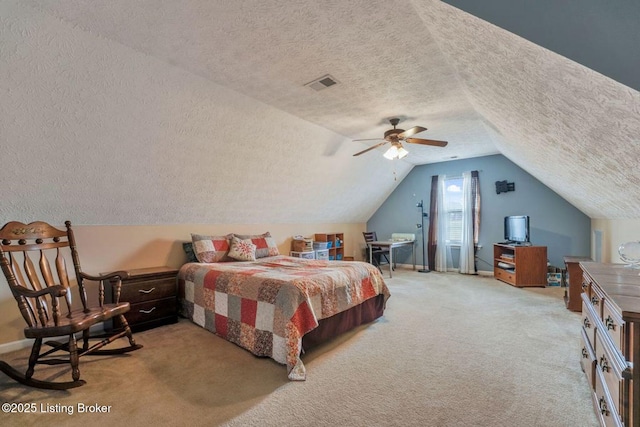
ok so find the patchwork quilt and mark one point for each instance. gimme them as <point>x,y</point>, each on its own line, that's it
<point>267,305</point>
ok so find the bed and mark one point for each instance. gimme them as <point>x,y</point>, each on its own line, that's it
<point>279,306</point>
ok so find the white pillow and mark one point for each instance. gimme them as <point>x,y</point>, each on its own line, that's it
<point>242,250</point>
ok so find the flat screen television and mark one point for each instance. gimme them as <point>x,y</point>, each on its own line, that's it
<point>516,229</point>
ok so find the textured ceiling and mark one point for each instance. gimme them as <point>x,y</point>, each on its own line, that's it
<point>161,71</point>
<point>384,56</point>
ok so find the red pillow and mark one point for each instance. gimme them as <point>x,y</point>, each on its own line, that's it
<point>211,248</point>
<point>265,244</point>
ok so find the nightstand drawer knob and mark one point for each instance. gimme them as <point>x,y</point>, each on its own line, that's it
<point>604,364</point>
<point>146,291</point>
<point>147,311</point>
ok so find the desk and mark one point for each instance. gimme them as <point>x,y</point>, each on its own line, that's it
<point>392,245</point>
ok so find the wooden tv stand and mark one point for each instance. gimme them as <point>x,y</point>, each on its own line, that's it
<point>520,266</point>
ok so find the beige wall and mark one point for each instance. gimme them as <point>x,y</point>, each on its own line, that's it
<point>110,247</point>
<point>614,233</point>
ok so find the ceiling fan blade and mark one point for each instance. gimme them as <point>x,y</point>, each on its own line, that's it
<point>407,133</point>
<point>370,148</point>
<point>370,139</point>
<point>427,142</point>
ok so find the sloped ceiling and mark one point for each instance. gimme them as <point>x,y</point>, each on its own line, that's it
<point>200,106</point>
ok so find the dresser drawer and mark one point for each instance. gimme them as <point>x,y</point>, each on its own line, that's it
<point>610,366</point>
<point>588,359</point>
<point>597,300</point>
<point>605,409</point>
<point>150,310</point>
<point>614,325</point>
<point>589,320</point>
<point>148,290</point>
<point>505,275</point>
<point>586,284</point>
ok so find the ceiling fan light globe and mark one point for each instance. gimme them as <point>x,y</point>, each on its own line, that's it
<point>402,153</point>
<point>391,153</point>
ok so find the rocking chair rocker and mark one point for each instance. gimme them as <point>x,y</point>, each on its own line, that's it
<point>39,296</point>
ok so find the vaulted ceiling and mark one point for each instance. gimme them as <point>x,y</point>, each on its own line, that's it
<point>479,87</point>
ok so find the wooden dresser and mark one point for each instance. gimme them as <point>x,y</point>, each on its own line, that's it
<point>152,293</point>
<point>611,341</point>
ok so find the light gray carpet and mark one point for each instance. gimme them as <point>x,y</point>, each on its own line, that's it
<point>451,350</point>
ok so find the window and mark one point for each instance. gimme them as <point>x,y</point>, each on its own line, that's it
<point>457,220</point>
<point>453,209</point>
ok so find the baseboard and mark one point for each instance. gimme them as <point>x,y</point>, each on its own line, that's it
<point>485,273</point>
<point>15,345</point>
<point>404,266</point>
<point>449,270</point>
<point>28,342</point>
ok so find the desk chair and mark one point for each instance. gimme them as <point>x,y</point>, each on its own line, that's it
<point>377,252</point>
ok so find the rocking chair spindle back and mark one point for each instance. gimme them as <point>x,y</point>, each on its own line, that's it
<point>27,253</point>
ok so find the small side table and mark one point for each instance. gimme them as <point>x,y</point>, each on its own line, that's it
<point>153,295</point>
<point>573,282</point>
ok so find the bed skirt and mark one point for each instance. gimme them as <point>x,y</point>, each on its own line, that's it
<point>331,327</point>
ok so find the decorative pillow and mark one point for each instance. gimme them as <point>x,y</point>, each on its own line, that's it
<point>211,248</point>
<point>242,250</point>
<point>188,249</point>
<point>265,245</point>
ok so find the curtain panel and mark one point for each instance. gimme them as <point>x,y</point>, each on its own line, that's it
<point>470,222</point>
<point>433,222</point>
<point>438,250</point>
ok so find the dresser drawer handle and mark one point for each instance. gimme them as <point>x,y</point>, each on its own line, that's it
<point>586,322</point>
<point>147,311</point>
<point>609,323</point>
<point>604,364</point>
<point>585,354</point>
<point>146,291</point>
<point>595,300</point>
<point>603,407</point>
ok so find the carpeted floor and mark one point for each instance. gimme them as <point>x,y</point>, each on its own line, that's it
<point>451,350</point>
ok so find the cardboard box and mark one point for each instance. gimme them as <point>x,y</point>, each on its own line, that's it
<point>554,279</point>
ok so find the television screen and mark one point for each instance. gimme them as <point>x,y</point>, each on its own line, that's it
<point>516,228</point>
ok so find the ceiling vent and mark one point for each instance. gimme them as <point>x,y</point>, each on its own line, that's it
<point>322,83</point>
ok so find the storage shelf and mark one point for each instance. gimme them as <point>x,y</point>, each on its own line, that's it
<point>336,248</point>
<point>529,264</point>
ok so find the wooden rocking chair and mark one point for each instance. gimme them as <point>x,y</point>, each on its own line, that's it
<point>40,296</point>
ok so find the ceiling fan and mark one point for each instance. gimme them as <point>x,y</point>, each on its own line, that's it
<point>396,137</point>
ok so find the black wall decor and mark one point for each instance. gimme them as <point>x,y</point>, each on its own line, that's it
<point>504,186</point>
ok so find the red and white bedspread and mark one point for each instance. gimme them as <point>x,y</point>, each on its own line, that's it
<point>266,306</point>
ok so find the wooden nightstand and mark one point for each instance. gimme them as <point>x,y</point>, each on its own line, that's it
<point>153,295</point>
